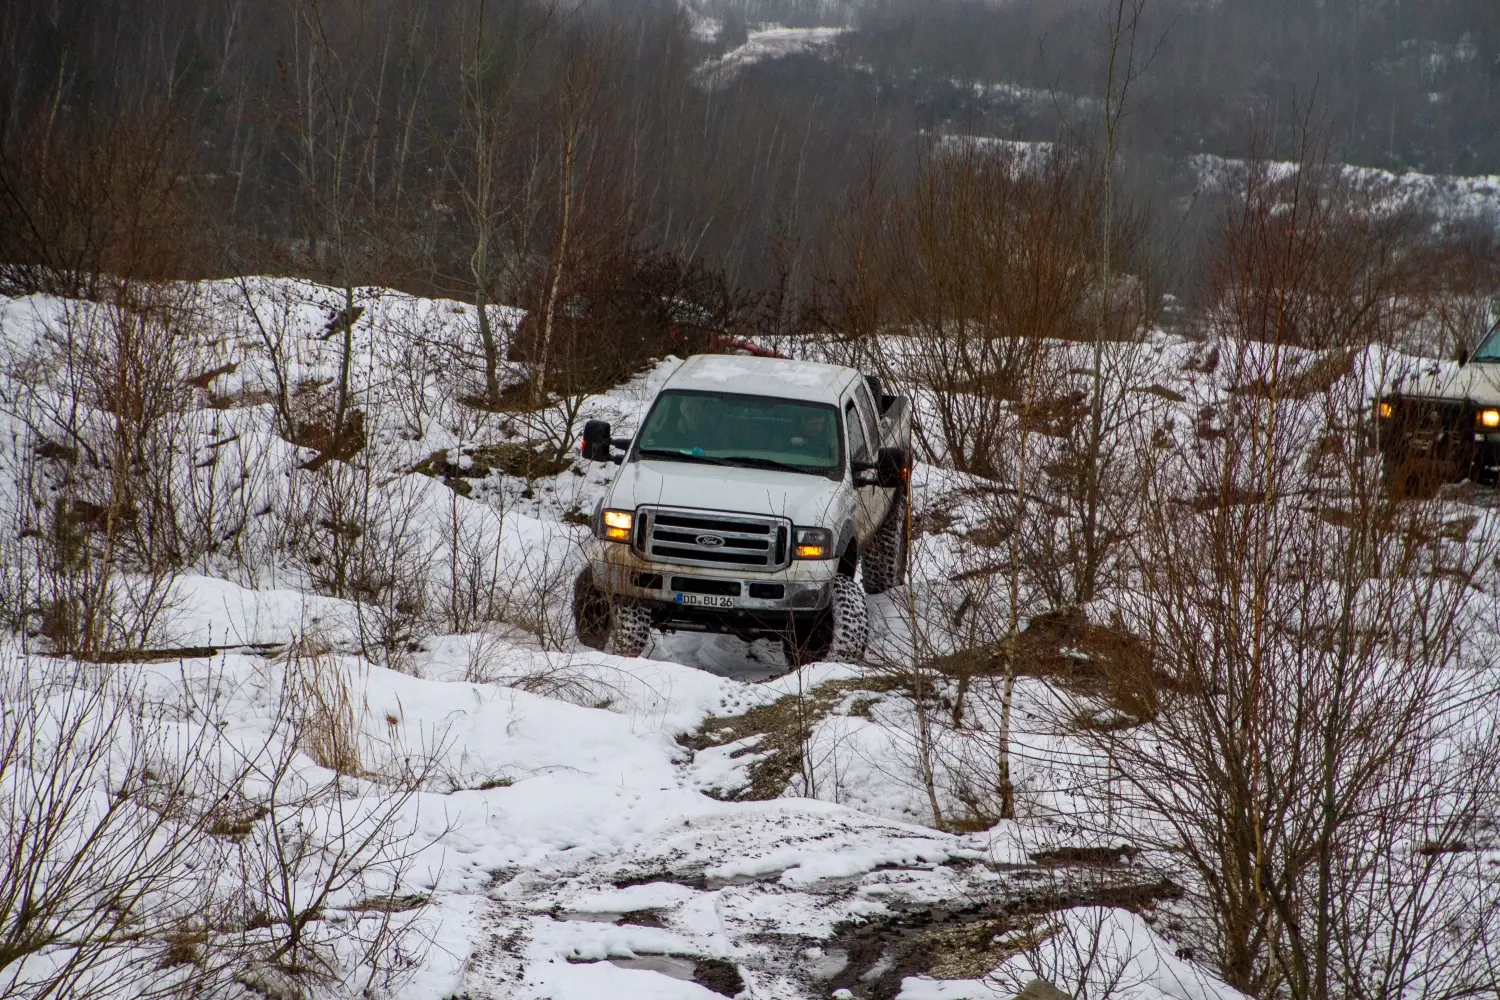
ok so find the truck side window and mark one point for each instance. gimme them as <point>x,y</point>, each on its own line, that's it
<point>867,410</point>
<point>858,449</point>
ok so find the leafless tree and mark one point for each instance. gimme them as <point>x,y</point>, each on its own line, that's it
<point>1312,767</point>
<point>105,792</point>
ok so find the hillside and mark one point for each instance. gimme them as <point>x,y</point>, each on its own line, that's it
<point>376,759</point>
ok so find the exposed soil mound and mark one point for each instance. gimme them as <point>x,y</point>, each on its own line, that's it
<point>528,460</point>
<point>783,728</point>
<point>967,940</point>
<point>1066,647</point>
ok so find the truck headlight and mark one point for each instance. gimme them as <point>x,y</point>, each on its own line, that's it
<point>813,543</point>
<point>1386,409</point>
<point>1489,418</point>
<point>617,525</point>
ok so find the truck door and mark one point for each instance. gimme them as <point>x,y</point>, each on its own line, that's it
<point>868,501</point>
<point>872,428</point>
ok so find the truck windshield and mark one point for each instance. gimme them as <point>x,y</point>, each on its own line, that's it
<point>1489,347</point>
<point>754,431</point>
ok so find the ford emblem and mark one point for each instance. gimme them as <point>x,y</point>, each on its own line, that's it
<point>709,541</point>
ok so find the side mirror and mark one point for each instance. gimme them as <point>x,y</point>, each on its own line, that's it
<point>596,441</point>
<point>889,470</point>
<point>892,468</point>
<point>1463,356</point>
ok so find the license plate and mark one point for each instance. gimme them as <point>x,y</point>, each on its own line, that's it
<point>1421,444</point>
<point>705,601</point>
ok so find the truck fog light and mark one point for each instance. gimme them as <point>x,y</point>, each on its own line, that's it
<point>1489,418</point>
<point>808,595</point>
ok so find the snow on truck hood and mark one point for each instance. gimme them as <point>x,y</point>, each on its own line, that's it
<point>1479,381</point>
<point>808,500</point>
<point>811,381</point>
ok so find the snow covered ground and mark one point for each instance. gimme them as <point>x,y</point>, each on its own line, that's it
<point>576,835</point>
<point>570,851</point>
<point>1449,197</point>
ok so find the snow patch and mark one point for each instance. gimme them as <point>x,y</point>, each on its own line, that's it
<point>765,44</point>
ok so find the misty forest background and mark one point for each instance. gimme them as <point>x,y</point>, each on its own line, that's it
<point>450,148</point>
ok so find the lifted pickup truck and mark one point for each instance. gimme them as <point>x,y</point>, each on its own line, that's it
<point>1443,425</point>
<point>752,492</point>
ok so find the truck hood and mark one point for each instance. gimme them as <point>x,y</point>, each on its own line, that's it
<point>808,500</point>
<point>1479,381</point>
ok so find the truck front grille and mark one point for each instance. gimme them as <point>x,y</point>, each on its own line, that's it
<point>709,538</point>
<point>1432,428</point>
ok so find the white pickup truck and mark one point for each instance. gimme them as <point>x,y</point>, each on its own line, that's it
<point>1442,424</point>
<point>753,492</point>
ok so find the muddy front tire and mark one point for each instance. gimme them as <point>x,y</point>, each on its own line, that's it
<point>631,628</point>
<point>840,633</point>
<point>884,565</point>
<point>619,627</point>
<point>590,612</point>
<point>1415,478</point>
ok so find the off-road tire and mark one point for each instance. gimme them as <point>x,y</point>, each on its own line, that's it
<point>850,621</point>
<point>1414,478</point>
<point>840,633</point>
<point>590,612</point>
<point>884,561</point>
<point>631,628</point>
<point>619,627</point>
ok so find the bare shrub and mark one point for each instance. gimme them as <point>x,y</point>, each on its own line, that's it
<point>986,258</point>
<point>148,854</point>
<point>87,201</point>
<point>1084,950</point>
<point>101,831</point>
<point>1077,523</point>
<point>320,897</point>
<point>974,292</point>
<point>106,400</point>
<point>522,590</point>
<point>1333,698</point>
<point>359,536</point>
<point>538,589</point>
<point>475,592</point>
<point>1302,257</point>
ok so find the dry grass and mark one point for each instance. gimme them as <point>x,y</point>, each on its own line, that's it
<point>331,730</point>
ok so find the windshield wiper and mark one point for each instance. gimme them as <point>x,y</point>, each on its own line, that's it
<point>681,456</point>
<point>771,463</point>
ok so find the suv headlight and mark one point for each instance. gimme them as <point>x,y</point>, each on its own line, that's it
<point>618,524</point>
<point>813,543</point>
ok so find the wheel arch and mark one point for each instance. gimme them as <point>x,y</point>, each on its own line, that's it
<point>847,548</point>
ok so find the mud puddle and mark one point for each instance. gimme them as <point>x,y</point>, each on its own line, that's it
<point>966,939</point>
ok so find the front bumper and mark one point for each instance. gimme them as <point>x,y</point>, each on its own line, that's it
<point>757,601</point>
<point>1439,433</point>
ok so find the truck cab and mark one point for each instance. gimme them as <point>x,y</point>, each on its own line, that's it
<point>1442,424</point>
<point>760,497</point>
